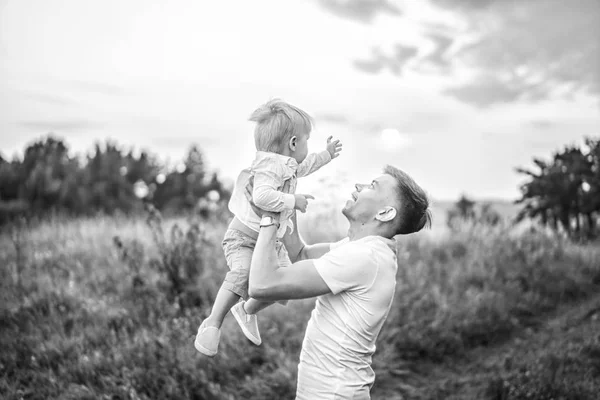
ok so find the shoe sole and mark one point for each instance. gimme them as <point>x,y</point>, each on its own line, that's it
<point>204,350</point>
<point>246,332</point>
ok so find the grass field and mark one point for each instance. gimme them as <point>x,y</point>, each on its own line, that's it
<point>482,313</point>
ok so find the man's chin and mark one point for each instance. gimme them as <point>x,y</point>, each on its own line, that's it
<point>347,207</point>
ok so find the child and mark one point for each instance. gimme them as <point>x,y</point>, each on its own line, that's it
<point>280,136</point>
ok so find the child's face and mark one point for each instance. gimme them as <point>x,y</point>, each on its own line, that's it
<point>301,147</point>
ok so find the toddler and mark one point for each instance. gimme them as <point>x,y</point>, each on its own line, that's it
<point>281,135</point>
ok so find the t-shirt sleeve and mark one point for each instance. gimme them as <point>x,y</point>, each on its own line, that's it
<point>347,267</point>
<point>337,244</point>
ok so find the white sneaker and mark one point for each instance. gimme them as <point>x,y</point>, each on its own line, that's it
<point>248,323</point>
<point>207,340</point>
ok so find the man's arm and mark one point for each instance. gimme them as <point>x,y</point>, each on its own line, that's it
<point>295,246</point>
<point>270,282</point>
<point>298,250</point>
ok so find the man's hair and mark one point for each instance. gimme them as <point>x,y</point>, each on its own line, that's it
<point>276,123</point>
<point>413,204</point>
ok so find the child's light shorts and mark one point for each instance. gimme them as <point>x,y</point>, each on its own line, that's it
<point>238,248</point>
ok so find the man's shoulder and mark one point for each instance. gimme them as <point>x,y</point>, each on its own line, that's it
<point>378,243</point>
<point>365,243</point>
<point>367,250</point>
<point>339,243</point>
<point>354,252</point>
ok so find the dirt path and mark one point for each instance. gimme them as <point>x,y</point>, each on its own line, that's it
<point>552,354</point>
<point>559,359</point>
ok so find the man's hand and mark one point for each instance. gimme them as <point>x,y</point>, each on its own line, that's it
<point>334,147</point>
<point>302,201</point>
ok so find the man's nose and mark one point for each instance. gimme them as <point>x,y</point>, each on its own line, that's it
<point>358,187</point>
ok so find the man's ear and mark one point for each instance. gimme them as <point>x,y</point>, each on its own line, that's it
<point>292,144</point>
<point>387,214</point>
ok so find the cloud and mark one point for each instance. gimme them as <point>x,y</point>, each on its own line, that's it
<point>417,123</point>
<point>465,4</point>
<point>513,51</point>
<point>372,66</point>
<point>48,98</point>
<point>61,126</point>
<point>395,62</point>
<point>359,10</point>
<point>348,122</point>
<point>98,88</point>
<point>542,124</point>
<point>488,89</point>
<point>438,58</point>
<point>332,118</point>
<point>530,50</point>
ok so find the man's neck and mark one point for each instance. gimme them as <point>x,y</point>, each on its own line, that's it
<point>359,230</point>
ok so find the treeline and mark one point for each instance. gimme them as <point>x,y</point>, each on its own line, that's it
<point>564,192</point>
<point>467,210</point>
<point>47,179</point>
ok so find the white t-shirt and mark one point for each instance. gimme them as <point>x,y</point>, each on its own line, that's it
<point>335,361</point>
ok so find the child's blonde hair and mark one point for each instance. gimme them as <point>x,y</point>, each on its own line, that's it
<point>276,123</point>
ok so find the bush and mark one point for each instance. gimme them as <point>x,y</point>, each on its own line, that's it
<point>92,322</point>
<point>180,261</point>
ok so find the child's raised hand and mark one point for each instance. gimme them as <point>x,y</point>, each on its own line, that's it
<point>334,147</point>
<point>302,201</point>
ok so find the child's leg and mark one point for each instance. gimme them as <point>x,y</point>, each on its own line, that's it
<point>209,332</point>
<point>252,306</point>
<point>235,284</point>
<point>223,302</point>
<point>238,255</point>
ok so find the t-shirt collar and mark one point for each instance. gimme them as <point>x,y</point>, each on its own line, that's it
<point>391,243</point>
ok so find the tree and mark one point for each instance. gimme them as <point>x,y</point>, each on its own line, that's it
<point>43,172</point>
<point>463,210</point>
<point>183,187</point>
<point>9,181</point>
<point>590,187</point>
<point>107,180</point>
<point>564,192</point>
<point>488,216</point>
<point>466,210</point>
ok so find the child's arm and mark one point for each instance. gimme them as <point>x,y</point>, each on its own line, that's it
<point>314,161</point>
<point>266,195</point>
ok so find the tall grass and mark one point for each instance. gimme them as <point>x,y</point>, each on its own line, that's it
<point>108,308</point>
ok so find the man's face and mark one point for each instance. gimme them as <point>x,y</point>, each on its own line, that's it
<point>368,199</point>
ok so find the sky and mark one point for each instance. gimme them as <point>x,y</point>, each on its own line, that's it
<point>455,92</point>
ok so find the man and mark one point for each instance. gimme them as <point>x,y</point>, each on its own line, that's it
<point>354,280</point>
